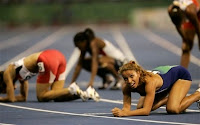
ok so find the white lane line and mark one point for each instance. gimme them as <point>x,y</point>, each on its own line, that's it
<point>6,124</point>
<point>87,115</point>
<point>72,60</point>
<point>121,41</point>
<point>134,104</point>
<point>16,40</point>
<point>98,113</point>
<point>168,45</point>
<point>38,46</point>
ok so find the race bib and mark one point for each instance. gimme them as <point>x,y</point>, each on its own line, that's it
<point>41,67</point>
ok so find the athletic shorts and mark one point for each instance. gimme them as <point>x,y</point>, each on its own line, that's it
<point>52,66</point>
<point>171,74</point>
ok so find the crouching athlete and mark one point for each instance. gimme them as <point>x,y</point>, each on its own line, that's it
<point>165,85</point>
<point>50,65</point>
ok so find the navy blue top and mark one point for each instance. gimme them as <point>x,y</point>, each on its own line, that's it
<point>170,74</point>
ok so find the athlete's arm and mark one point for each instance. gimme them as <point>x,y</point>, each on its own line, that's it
<point>94,68</point>
<point>145,110</point>
<point>23,92</point>
<point>78,67</point>
<point>9,75</point>
<point>126,103</point>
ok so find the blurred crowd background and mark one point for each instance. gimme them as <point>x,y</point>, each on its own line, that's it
<point>35,13</point>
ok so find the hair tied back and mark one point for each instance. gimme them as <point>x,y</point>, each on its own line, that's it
<point>132,62</point>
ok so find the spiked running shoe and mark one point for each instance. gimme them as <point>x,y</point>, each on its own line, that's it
<point>74,89</point>
<point>91,93</point>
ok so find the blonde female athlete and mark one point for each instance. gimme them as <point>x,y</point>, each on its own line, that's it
<point>185,14</point>
<point>165,85</point>
<point>51,66</point>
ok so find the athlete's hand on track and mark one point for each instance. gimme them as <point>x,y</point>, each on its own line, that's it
<point>118,112</point>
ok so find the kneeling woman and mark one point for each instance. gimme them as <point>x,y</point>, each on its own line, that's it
<point>51,66</point>
<point>165,85</point>
<point>104,58</point>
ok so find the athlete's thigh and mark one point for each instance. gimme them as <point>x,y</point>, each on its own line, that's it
<point>58,85</point>
<point>178,91</point>
<point>189,33</point>
<point>160,96</point>
<point>106,59</point>
<point>41,88</point>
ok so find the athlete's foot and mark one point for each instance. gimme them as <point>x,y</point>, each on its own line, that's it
<point>74,89</point>
<point>92,94</point>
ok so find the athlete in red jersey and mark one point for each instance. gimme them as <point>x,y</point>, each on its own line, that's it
<point>185,16</point>
<point>50,65</point>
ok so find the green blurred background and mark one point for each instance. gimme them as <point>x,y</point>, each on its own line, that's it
<point>15,13</point>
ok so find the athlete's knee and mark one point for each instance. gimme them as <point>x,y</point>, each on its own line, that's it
<point>42,98</point>
<point>186,48</point>
<point>172,110</point>
<point>185,51</point>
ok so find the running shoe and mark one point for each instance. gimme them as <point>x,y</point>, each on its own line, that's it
<point>198,102</point>
<point>92,94</point>
<point>74,89</point>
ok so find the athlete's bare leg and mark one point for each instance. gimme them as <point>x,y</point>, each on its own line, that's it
<point>57,92</point>
<point>191,13</point>
<point>187,45</point>
<point>177,100</point>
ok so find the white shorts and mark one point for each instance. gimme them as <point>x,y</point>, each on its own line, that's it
<point>182,3</point>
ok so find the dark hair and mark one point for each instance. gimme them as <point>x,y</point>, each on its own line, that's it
<point>87,35</point>
<point>79,37</point>
<point>2,83</point>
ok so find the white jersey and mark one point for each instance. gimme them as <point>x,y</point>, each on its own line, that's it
<point>112,51</point>
<point>24,73</point>
<point>182,3</point>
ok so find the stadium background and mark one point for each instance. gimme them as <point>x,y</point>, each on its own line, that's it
<point>35,13</point>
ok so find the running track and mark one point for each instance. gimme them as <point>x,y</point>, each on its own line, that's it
<point>150,48</point>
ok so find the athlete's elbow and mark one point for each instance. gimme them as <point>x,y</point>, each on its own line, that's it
<point>146,113</point>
